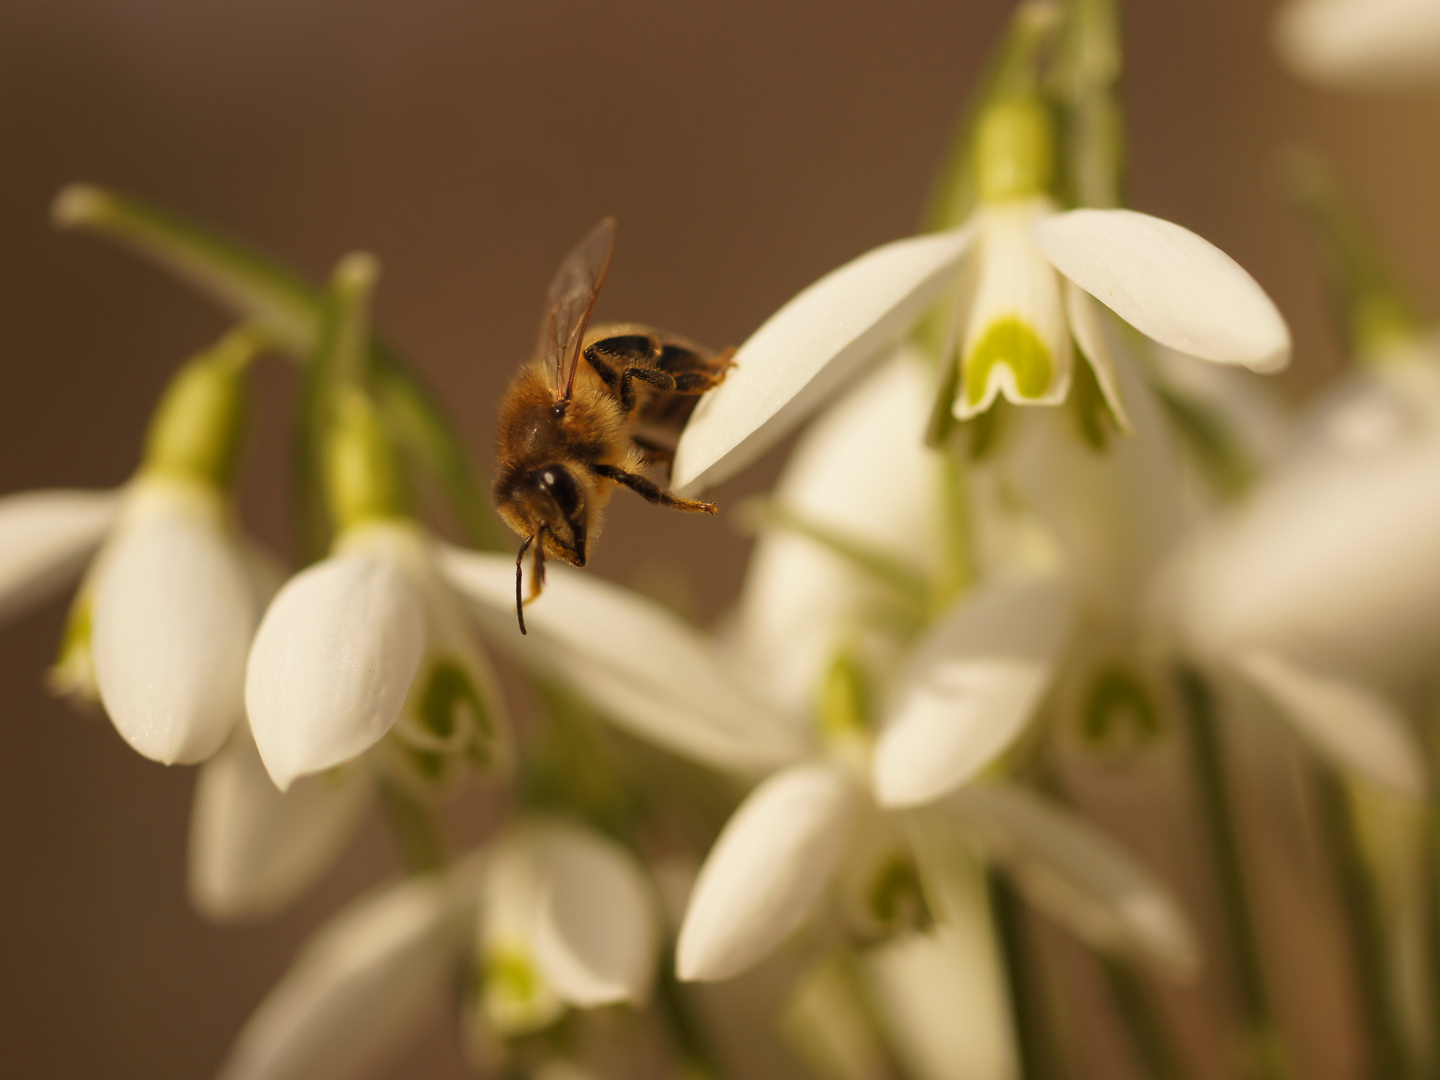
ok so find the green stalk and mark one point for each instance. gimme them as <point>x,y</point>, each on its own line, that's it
<point>1148,1034</point>
<point>1149,1037</point>
<point>289,311</point>
<point>1264,1055</point>
<point>698,1060</point>
<point>1038,1058</point>
<point>1364,925</point>
<point>1374,312</point>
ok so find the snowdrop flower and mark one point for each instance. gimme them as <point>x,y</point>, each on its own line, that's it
<point>1321,589</point>
<point>1360,43</point>
<point>1022,278</point>
<point>551,915</point>
<point>372,640</point>
<point>813,828</point>
<point>161,624</point>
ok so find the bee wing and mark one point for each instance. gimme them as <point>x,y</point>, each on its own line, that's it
<point>572,298</point>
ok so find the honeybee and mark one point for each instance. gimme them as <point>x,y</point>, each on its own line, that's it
<point>571,431</point>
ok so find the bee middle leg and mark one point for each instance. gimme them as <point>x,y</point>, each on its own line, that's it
<point>652,492</point>
<point>676,371</point>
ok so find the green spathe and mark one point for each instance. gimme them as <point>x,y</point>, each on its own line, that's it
<point>1012,342</point>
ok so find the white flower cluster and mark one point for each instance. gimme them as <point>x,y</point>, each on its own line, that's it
<point>984,550</point>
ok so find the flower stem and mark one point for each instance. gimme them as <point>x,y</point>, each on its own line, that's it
<point>413,826</point>
<point>1149,1036</point>
<point>1364,925</point>
<point>1263,1052</point>
<point>1037,1056</point>
<point>698,1061</point>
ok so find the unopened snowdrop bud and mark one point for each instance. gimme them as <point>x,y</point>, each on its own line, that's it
<point>1015,150</point>
<point>197,429</point>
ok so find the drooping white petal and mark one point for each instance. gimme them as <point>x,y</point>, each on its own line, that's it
<point>358,989</point>
<point>971,687</point>
<point>173,611</point>
<point>807,349</point>
<point>767,871</point>
<point>1371,44</point>
<point>1351,725</point>
<point>1088,330</point>
<point>941,996</point>
<point>253,849</point>
<point>863,473</point>
<point>1015,341</point>
<point>1329,563</point>
<point>1169,284</point>
<point>648,669</point>
<point>45,539</point>
<point>596,924</point>
<point>332,663</point>
<point>1079,876</point>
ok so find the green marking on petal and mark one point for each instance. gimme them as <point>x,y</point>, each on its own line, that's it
<point>844,698</point>
<point>449,690</point>
<point>511,974</point>
<point>895,896</point>
<point>1088,405</point>
<point>1119,712</point>
<point>1010,342</point>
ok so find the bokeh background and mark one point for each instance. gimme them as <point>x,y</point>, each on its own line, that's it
<point>746,148</point>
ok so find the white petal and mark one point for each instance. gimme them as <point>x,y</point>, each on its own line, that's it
<point>1169,284</point>
<point>971,687</point>
<point>1354,727</point>
<point>648,669</point>
<point>1116,513</point>
<point>1087,327</point>
<point>1331,564</point>
<point>253,849</point>
<point>1079,876</point>
<point>173,612</point>
<point>596,923</point>
<point>942,998</point>
<point>767,871</point>
<point>863,472</point>
<point>332,663</point>
<point>807,349</point>
<point>45,539</point>
<point>1372,44</point>
<point>1016,342</point>
<point>364,983</point>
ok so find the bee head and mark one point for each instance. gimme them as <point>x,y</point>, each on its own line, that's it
<point>551,499</point>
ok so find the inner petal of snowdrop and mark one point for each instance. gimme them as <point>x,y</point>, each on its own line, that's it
<point>1016,342</point>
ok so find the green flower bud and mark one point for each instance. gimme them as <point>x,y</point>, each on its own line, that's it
<point>197,428</point>
<point>364,479</point>
<point>1014,150</point>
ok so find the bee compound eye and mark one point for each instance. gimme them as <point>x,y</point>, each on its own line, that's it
<point>558,482</point>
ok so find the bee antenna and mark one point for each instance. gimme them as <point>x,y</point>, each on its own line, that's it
<point>519,575</point>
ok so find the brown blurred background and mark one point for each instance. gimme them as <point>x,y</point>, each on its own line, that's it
<point>745,147</point>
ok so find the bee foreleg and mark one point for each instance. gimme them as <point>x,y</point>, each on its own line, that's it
<point>651,491</point>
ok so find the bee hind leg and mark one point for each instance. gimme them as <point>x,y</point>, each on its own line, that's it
<point>650,491</point>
